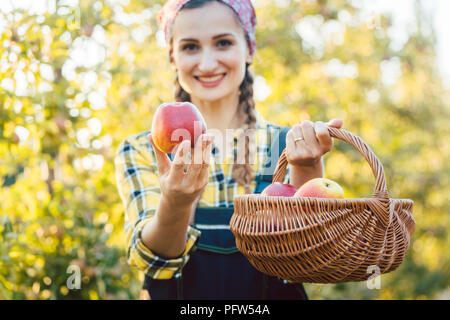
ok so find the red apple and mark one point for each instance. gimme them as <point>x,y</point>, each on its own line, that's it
<point>279,189</point>
<point>320,188</point>
<point>174,122</point>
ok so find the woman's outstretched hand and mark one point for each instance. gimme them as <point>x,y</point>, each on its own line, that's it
<point>179,192</point>
<point>308,141</point>
<point>182,187</point>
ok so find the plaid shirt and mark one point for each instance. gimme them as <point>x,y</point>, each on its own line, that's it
<point>138,185</point>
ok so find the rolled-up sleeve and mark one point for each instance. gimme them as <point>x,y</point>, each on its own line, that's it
<point>138,185</point>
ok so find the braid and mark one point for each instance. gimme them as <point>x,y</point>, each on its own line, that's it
<point>243,171</point>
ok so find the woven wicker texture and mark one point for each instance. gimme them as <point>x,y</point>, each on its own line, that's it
<point>320,240</point>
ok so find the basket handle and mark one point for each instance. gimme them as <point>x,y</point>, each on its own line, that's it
<point>380,190</point>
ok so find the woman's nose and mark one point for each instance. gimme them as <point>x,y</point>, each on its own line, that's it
<point>208,61</point>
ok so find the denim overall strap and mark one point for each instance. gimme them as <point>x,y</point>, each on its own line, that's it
<point>278,145</point>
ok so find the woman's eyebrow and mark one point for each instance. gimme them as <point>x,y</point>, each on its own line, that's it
<point>215,37</point>
<point>222,35</point>
<point>189,39</point>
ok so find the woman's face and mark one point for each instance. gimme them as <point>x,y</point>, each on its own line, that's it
<point>209,51</point>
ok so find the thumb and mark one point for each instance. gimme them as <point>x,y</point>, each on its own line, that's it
<point>162,159</point>
<point>336,123</point>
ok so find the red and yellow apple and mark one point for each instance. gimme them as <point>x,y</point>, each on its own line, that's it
<point>174,122</point>
<point>320,188</point>
<point>279,189</point>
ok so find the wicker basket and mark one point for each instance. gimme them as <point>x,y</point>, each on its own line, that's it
<point>319,240</point>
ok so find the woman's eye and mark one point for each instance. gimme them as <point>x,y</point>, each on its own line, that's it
<point>224,43</point>
<point>189,47</point>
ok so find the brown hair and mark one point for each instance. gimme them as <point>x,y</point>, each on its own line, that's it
<point>246,144</point>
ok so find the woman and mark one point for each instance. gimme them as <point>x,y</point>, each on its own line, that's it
<point>177,222</point>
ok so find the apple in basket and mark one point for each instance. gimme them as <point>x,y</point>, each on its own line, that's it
<point>174,122</point>
<point>279,189</point>
<point>276,189</point>
<point>320,188</point>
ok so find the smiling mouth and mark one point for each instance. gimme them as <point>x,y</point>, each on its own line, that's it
<point>211,79</point>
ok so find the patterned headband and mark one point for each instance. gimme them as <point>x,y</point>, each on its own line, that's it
<point>243,8</point>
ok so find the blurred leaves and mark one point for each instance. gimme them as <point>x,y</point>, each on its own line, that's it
<point>75,81</point>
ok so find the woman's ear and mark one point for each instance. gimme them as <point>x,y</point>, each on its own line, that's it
<point>249,59</point>
<point>172,64</point>
<point>172,60</point>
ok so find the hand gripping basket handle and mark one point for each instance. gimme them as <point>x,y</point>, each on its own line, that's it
<point>380,190</point>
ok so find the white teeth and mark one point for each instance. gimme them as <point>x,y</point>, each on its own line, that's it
<point>210,79</point>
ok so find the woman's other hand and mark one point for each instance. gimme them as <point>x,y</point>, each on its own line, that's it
<point>308,141</point>
<point>179,192</point>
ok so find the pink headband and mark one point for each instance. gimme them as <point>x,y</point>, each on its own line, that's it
<point>243,8</point>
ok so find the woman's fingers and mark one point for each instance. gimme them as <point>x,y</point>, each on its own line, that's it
<point>323,136</point>
<point>207,150</point>
<point>308,141</point>
<point>182,158</point>
<point>297,148</point>
<point>198,160</point>
<point>198,150</point>
<point>297,131</point>
<point>336,123</point>
<point>162,159</point>
<point>204,172</point>
<point>308,132</point>
<point>290,143</point>
<point>311,140</point>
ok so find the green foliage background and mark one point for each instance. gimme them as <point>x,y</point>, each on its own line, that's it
<point>59,203</point>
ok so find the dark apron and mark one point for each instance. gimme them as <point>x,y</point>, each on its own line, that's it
<point>216,269</point>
